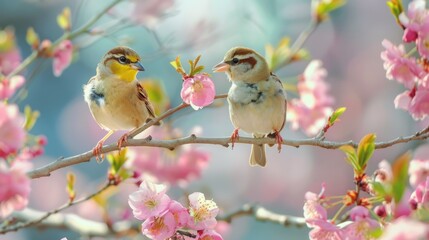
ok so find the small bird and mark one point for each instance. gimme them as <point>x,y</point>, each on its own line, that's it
<point>115,97</point>
<point>257,100</point>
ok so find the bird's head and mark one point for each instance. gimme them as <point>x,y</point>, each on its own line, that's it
<point>244,64</point>
<point>123,62</point>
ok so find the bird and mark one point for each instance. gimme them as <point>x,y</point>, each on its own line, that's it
<point>257,100</point>
<point>116,98</point>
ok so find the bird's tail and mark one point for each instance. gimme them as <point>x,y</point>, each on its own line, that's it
<point>257,155</point>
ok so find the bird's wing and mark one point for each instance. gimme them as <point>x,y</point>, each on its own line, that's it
<point>277,79</point>
<point>142,95</point>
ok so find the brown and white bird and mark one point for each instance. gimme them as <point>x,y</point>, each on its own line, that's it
<point>115,97</point>
<point>257,101</point>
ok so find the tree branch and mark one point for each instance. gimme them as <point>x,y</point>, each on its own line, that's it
<point>92,228</point>
<point>264,215</point>
<point>78,224</point>
<point>192,139</point>
<point>46,215</point>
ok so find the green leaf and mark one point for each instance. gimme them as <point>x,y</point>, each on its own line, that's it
<point>400,176</point>
<point>30,118</point>
<point>375,233</point>
<point>396,8</point>
<point>117,160</point>
<point>322,8</point>
<point>71,179</point>
<point>198,70</point>
<point>178,66</point>
<point>365,150</point>
<point>64,19</point>
<point>351,157</point>
<point>380,189</point>
<point>335,115</point>
<point>32,38</point>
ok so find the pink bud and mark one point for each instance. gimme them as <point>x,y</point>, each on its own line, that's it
<point>380,210</point>
<point>409,36</point>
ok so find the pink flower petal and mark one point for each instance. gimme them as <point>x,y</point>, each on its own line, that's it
<point>62,57</point>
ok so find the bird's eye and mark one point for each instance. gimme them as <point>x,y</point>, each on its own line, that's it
<point>122,59</point>
<point>235,61</point>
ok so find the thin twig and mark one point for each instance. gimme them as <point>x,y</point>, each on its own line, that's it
<point>47,214</point>
<point>264,215</point>
<point>67,35</point>
<point>166,115</point>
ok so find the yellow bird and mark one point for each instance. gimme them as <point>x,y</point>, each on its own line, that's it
<point>115,97</point>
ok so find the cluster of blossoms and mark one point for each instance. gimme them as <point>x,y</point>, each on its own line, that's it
<point>316,216</point>
<point>164,217</point>
<point>175,167</point>
<point>17,147</point>
<point>406,68</point>
<point>397,220</point>
<point>314,105</point>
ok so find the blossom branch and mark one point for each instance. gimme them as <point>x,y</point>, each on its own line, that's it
<point>92,228</point>
<point>44,216</point>
<point>166,115</point>
<point>264,215</point>
<point>192,139</point>
<point>299,42</point>
<point>67,35</point>
<point>78,224</point>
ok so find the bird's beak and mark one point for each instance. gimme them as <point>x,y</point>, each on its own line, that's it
<point>221,67</point>
<point>137,66</point>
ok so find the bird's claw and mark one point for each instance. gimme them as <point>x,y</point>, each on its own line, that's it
<point>96,151</point>
<point>234,137</point>
<point>122,140</point>
<point>279,141</point>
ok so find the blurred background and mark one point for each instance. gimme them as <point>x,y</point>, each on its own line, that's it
<point>349,44</point>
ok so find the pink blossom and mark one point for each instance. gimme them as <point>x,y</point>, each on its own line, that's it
<point>176,167</point>
<point>150,200</point>
<point>362,224</point>
<point>420,197</point>
<point>419,166</point>
<point>62,57</point>
<point>210,234</point>
<point>419,106</point>
<point>12,134</point>
<point>147,13</point>
<point>405,70</point>
<point>15,187</point>
<point>159,227</point>
<point>309,120</point>
<point>203,212</point>
<point>422,40</point>
<point>326,230</point>
<point>314,105</point>
<point>9,86</point>
<point>405,229</point>
<point>198,91</point>
<point>403,100</point>
<point>150,12</point>
<point>416,102</point>
<point>314,212</point>
<point>179,212</point>
<point>384,172</point>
